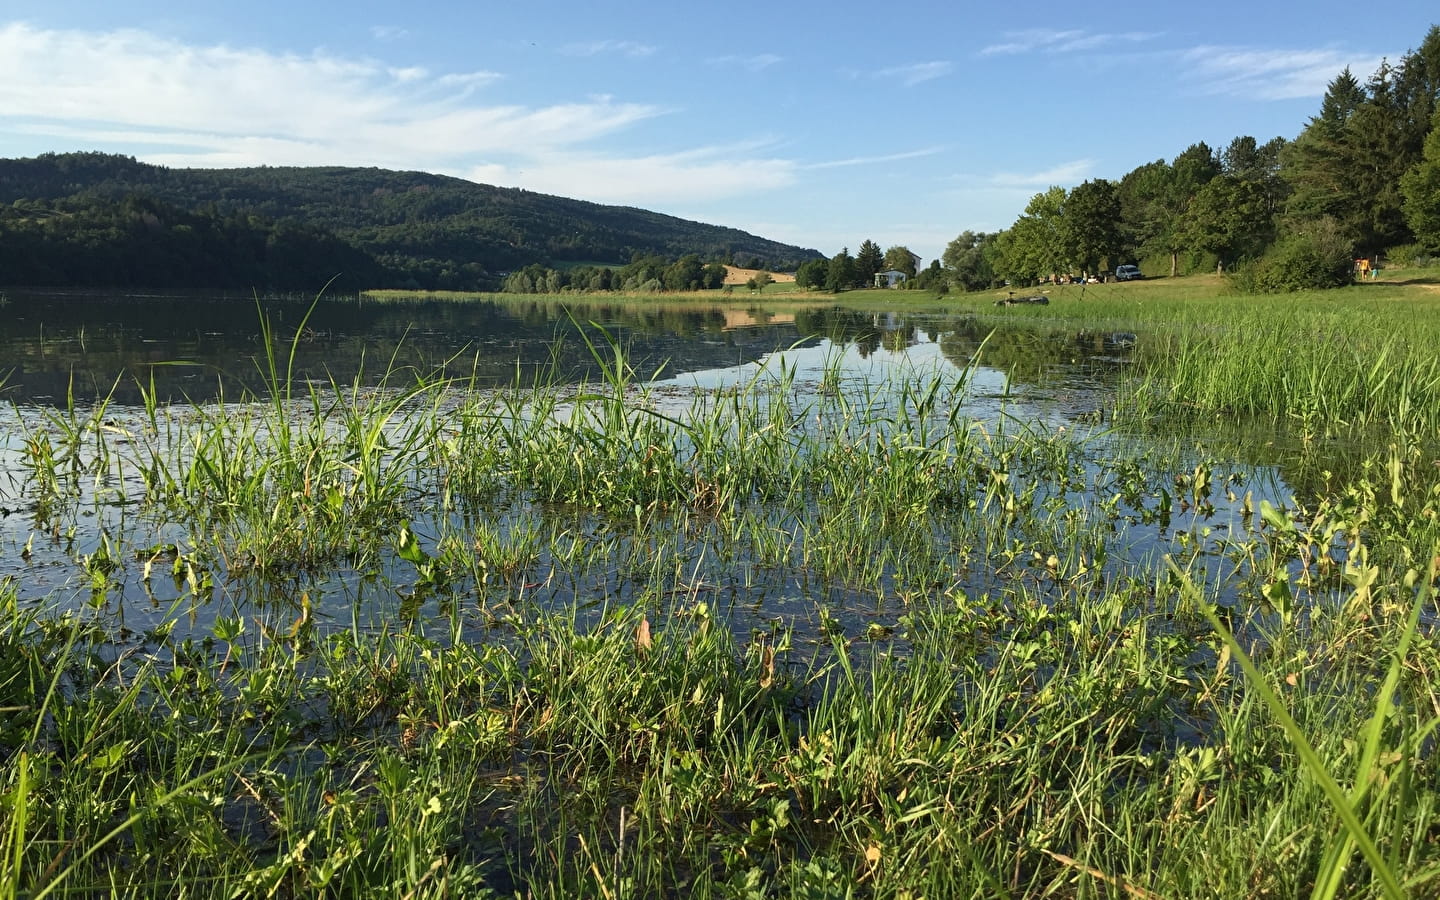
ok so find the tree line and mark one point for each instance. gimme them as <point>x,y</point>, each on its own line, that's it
<point>843,272</point>
<point>1362,179</point>
<point>644,274</point>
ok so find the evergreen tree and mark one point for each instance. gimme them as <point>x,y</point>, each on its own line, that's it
<point>1417,91</point>
<point>1348,162</point>
<point>868,261</point>
<point>841,275</point>
<point>1342,97</point>
<point>1258,163</point>
<point>1155,198</point>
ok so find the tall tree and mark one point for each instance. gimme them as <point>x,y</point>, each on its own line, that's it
<point>868,261</point>
<point>900,259</point>
<point>1142,214</point>
<point>967,261</point>
<point>1249,161</point>
<point>1230,217</point>
<point>1342,97</point>
<point>1421,189</point>
<point>1417,90</point>
<point>1348,161</point>
<point>812,273</point>
<point>1155,197</point>
<point>1091,232</point>
<point>1035,244</point>
<point>842,272</point>
<point>684,274</point>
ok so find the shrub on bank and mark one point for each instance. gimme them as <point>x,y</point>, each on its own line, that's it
<point>1316,258</point>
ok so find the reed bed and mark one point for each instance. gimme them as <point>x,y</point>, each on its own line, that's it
<point>791,640</point>
<point>1356,363</point>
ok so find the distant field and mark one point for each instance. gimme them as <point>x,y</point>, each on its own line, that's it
<point>737,275</point>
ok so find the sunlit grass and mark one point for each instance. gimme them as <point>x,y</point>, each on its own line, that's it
<point>969,683</point>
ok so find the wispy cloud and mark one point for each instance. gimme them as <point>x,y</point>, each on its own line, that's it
<point>1066,40</point>
<point>755,63</point>
<point>1258,74</point>
<point>917,73</point>
<point>632,49</point>
<point>870,160</point>
<point>388,32</point>
<point>701,174</point>
<point>1063,174</point>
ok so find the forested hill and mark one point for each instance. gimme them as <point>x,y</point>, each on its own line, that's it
<point>101,219</point>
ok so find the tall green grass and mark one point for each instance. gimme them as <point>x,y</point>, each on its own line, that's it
<point>823,640</point>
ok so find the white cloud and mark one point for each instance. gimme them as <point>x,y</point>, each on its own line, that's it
<point>1258,74</point>
<point>633,49</point>
<point>869,160</point>
<point>1063,174</point>
<point>707,173</point>
<point>1062,40</point>
<point>916,73</point>
<point>756,63</point>
<point>215,103</point>
<point>185,105</point>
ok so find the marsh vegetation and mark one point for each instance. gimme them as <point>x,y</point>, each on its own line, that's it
<point>870,614</point>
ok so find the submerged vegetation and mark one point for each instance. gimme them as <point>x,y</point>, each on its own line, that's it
<point>410,637</point>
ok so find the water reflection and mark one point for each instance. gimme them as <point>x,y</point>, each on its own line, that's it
<point>58,347</point>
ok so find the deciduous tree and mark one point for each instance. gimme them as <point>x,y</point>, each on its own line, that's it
<point>969,264</point>
<point>1035,244</point>
<point>1421,189</point>
<point>1091,225</point>
<point>812,273</point>
<point>900,259</point>
<point>1230,218</point>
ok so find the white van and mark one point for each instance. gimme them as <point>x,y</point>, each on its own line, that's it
<point>1127,273</point>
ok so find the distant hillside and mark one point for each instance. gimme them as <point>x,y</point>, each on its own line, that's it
<point>94,218</point>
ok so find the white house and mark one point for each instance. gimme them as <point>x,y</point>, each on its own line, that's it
<point>889,278</point>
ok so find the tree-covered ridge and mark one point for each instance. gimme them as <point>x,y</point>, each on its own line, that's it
<point>403,229</point>
<point>1362,179</point>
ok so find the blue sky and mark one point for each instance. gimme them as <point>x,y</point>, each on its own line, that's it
<point>819,124</point>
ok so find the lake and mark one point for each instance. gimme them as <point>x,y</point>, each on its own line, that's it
<point>101,447</point>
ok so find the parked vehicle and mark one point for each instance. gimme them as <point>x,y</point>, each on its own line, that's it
<point>1128,273</point>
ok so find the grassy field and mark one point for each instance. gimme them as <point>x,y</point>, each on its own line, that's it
<point>1011,703</point>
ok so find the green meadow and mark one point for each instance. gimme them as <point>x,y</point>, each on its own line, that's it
<point>817,640</point>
